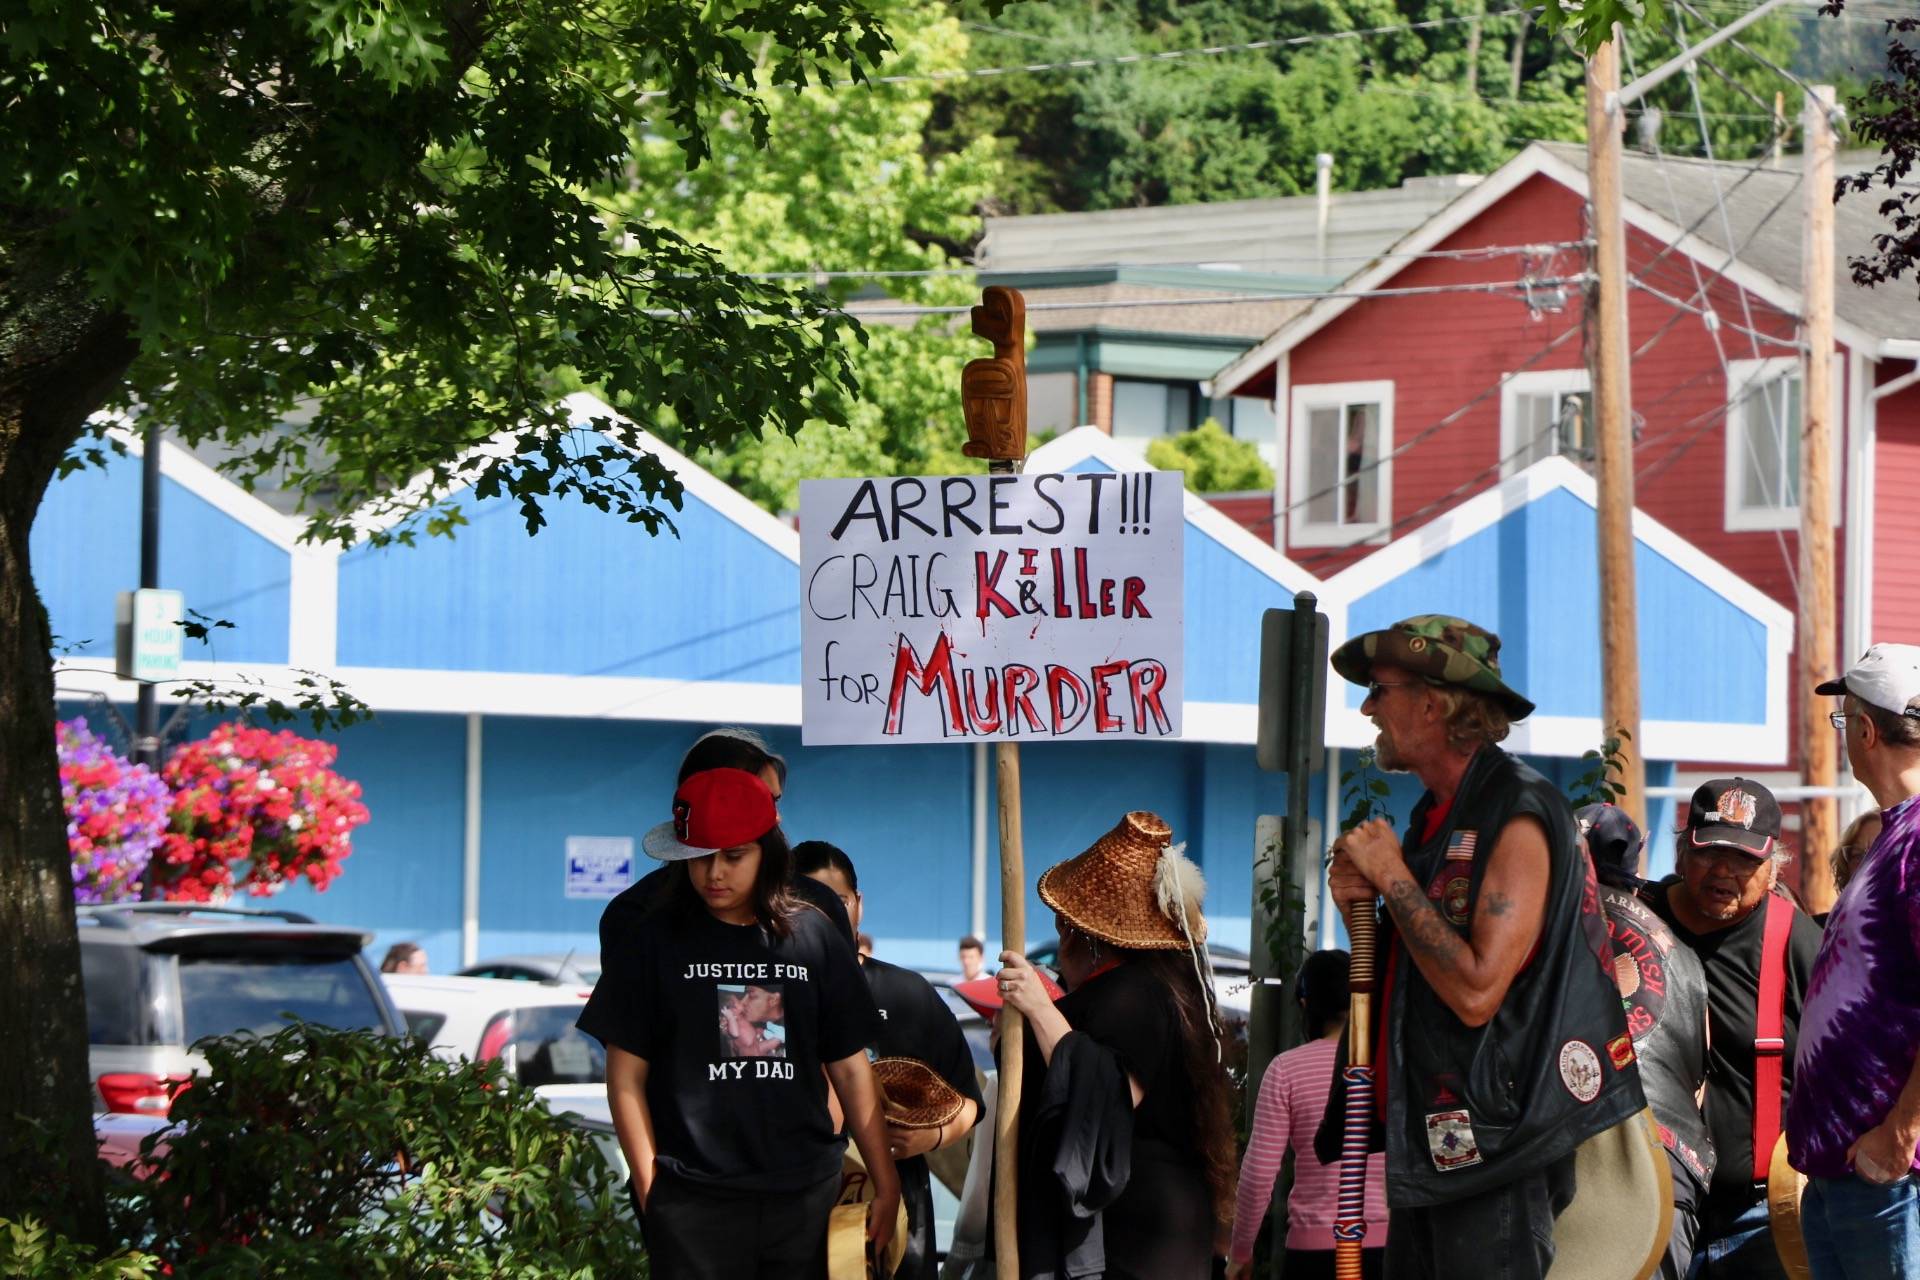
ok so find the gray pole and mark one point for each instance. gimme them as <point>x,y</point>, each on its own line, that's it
<point>146,736</point>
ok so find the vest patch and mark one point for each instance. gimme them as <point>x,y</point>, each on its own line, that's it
<point>1580,1070</point>
<point>1454,899</point>
<point>1620,1052</point>
<point>1450,1139</point>
<point>1461,845</point>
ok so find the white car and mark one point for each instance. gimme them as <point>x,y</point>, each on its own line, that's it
<point>527,1026</point>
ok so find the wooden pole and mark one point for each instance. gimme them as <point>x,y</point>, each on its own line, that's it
<point>1818,745</point>
<point>1606,317</point>
<point>993,396</point>
<point>1013,937</point>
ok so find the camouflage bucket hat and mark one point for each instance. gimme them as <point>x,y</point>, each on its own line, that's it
<point>1439,648</point>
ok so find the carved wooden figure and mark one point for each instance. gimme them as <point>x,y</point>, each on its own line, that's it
<point>993,389</point>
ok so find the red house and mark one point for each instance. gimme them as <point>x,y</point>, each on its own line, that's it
<point>1462,363</point>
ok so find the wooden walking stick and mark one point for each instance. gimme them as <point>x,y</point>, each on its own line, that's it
<point>1350,1219</point>
<point>993,396</point>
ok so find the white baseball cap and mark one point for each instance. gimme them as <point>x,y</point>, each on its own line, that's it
<point>1887,676</point>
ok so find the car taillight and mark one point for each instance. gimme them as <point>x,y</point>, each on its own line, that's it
<point>497,1040</point>
<point>140,1093</point>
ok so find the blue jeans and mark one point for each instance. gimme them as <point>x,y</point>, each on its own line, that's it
<point>1858,1231</point>
<point>1739,1250</point>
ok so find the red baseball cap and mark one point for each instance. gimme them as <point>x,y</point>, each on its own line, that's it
<point>713,810</point>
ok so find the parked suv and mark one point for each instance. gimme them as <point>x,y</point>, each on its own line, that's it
<point>160,976</point>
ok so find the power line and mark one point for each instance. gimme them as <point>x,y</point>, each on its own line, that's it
<point>1129,304</point>
<point>1226,268</point>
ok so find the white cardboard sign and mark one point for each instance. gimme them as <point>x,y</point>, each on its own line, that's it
<point>952,608</point>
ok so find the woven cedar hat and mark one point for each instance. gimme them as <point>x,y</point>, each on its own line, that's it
<point>1130,889</point>
<point>916,1096</point>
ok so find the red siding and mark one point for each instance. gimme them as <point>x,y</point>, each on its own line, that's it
<point>1442,351</point>
<point>1896,529</point>
<point>1251,511</point>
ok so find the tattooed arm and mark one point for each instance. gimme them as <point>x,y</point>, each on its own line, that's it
<point>1471,973</point>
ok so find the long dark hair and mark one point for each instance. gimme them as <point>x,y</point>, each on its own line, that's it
<point>773,902</point>
<point>1209,1097</point>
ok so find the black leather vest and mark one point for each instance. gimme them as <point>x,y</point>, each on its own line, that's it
<point>1664,990</point>
<point>1472,1108</point>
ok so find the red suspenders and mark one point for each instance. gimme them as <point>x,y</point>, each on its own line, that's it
<point>1769,1033</point>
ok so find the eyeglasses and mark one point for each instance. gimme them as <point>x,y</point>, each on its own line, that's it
<point>1838,719</point>
<point>1377,687</point>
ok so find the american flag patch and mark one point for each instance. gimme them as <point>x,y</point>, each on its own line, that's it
<point>1460,847</point>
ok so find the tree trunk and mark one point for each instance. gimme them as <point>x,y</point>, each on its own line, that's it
<point>60,358</point>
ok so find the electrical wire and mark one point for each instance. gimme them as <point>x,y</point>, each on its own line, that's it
<point>1131,304</point>
<point>922,273</point>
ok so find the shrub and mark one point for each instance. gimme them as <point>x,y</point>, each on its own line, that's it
<point>30,1250</point>
<point>316,1152</point>
<point>1214,461</point>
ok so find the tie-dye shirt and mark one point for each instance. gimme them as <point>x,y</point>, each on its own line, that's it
<point>1860,1030</point>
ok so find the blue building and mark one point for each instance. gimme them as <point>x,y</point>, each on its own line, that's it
<point>533,690</point>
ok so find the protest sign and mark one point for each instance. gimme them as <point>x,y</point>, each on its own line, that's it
<point>1012,607</point>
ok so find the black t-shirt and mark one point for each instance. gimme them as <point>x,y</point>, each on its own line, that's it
<point>735,1025</point>
<point>645,895</point>
<point>1731,958</point>
<point>916,1023</point>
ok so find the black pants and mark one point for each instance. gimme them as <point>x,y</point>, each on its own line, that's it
<point>1502,1234</point>
<point>696,1233</point>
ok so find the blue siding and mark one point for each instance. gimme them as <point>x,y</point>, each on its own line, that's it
<point>590,595</point>
<point>1225,599</point>
<point>86,548</point>
<point>1534,578</point>
<point>403,878</point>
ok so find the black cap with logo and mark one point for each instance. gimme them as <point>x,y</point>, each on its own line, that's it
<point>1737,813</point>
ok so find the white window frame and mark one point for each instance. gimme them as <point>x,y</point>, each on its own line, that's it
<point>1323,395</point>
<point>1533,382</point>
<point>1741,374</point>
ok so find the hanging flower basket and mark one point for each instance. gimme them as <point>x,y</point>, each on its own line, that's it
<point>116,814</point>
<point>253,811</point>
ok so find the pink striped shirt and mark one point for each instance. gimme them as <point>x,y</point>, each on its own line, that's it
<point>1293,1098</point>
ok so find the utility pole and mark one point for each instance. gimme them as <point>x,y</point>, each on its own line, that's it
<point>1818,748</point>
<point>146,732</point>
<point>1606,324</point>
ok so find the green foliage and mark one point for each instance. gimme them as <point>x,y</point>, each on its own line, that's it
<point>316,1153</point>
<point>29,1250</point>
<point>1601,779</point>
<point>1214,462</point>
<point>1284,901</point>
<point>1363,792</point>
<point>1458,96</point>
<point>843,184</point>
<point>380,212</point>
